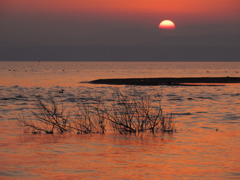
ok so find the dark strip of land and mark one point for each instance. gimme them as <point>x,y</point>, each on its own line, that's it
<point>169,81</point>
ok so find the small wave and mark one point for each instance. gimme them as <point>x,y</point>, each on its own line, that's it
<point>233,118</point>
<point>22,104</point>
<point>201,97</point>
<point>205,127</point>
<point>171,95</point>
<point>14,98</point>
<point>238,94</point>
<point>5,99</point>
<point>21,109</point>
<point>181,114</point>
<point>175,99</point>
<point>20,96</point>
<point>71,100</point>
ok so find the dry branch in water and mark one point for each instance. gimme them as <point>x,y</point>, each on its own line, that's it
<point>128,113</point>
<point>88,118</point>
<point>50,117</point>
<point>134,112</point>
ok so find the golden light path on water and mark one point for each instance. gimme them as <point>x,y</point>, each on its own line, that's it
<point>206,145</point>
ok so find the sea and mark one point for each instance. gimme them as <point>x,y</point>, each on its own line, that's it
<point>206,144</point>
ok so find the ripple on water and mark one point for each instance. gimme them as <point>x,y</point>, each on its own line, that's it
<point>237,94</point>
<point>175,99</point>
<point>202,97</point>
<point>201,112</point>
<point>182,114</point>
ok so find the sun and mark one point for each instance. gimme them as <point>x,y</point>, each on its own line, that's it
<point>167,24</point>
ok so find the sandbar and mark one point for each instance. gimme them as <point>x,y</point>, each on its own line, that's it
<point>169,81</point>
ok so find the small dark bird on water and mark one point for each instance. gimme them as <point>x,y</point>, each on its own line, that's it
<point>61,91</point>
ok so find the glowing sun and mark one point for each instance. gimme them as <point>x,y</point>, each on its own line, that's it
<point>167,24</point>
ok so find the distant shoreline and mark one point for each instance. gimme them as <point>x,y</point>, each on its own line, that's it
<point>169,81</point>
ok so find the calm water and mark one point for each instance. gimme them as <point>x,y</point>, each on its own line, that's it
<point>196,151</point>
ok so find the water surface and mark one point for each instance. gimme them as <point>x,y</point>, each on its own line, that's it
<point>206,145</point>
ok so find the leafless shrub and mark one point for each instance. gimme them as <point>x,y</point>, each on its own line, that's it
<point>89,118</point>
<point>50,117</point>
<point>131,112</point>
<point>134,112</point>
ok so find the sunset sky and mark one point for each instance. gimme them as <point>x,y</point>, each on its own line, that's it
<point>118,22</point>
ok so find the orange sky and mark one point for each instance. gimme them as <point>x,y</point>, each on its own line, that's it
<point>204,8</point>
<point>119,5</point>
